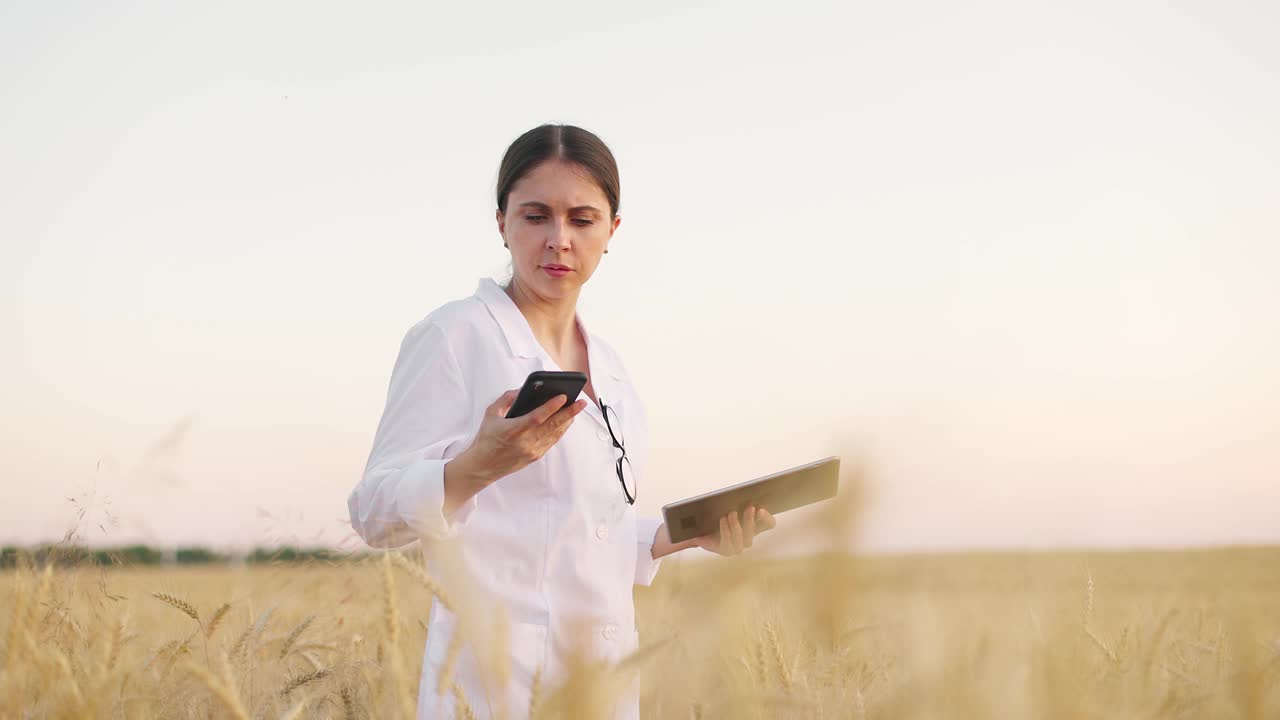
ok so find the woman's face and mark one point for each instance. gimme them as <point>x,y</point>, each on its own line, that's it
<point>557,227</point>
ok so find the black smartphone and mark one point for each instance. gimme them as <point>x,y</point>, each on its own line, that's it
<point>542,385</point>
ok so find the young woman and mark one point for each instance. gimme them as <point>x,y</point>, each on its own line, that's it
<point>538,510</point>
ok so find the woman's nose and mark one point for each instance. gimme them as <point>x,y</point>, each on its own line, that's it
<point>558,237</point>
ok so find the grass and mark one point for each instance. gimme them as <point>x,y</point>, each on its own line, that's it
<point>1050,635</point>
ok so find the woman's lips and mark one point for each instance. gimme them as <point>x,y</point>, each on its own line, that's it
<point>556,271</point>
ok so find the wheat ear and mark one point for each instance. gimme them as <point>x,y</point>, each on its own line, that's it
<point>251,633</point>
<point>293,635</point>
<point>178,603</point>
<point>296,682</point>
<point>218,616</point>
<point>422,577</point>
<point>775,644</point>
<point>348,702</point>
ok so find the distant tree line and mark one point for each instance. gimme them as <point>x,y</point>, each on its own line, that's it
<point>66,555</point>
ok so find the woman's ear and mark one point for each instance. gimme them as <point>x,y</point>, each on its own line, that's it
<point>502,221</point>
<point>617,220</point>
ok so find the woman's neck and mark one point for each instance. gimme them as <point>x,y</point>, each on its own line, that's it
<point>553,321</point>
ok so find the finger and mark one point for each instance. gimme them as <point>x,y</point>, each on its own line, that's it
<point>723,540</point>
<point>736,528</point>
<point>749,525</point>
<point>555,428</point>
<point>544,411</point>
<point>565,415</point>
<point>503,404</point>
<point>767,521</point>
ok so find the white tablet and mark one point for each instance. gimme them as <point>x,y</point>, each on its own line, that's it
<point>776,493</point>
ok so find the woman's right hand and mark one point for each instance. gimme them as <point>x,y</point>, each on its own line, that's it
<point>504,445</point>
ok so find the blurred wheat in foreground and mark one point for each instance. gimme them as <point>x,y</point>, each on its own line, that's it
<point>1131,635</point>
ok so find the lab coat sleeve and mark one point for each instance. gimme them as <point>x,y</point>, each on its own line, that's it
<point>646,566</point>
<point>400,498</point>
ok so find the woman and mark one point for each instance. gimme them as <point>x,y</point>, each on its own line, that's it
<point>536,510</point>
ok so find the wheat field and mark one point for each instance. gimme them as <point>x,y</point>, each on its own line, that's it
<point>1048,635</point>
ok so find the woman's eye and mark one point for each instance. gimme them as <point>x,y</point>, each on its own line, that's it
<point>581,222</point>
<point>533,218</point>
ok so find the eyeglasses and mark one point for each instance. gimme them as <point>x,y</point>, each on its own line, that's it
<point>625,474</point>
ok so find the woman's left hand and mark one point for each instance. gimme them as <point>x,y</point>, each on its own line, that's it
<point>737,535</point>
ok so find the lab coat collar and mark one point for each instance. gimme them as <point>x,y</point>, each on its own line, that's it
<point>519,336</point>
<point>514,327</point>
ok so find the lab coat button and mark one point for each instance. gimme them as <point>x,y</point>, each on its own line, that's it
<point>610,631</point>
<point>602,532</point>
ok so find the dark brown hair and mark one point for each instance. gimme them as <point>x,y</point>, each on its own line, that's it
<point>566,143</point>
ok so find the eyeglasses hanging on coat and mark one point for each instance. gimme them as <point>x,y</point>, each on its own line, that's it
<point>626,477</point>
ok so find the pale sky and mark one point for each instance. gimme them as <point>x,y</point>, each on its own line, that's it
<point>1021,262</point>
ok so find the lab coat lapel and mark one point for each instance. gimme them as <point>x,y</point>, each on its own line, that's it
<point>515,329</point>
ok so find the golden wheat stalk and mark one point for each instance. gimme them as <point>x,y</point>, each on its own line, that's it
<point>16,622</point>
<point>390,606</point>
<point>178,603</point>
<point>420,574</point>
<point>160,652</point>
<point>312,660</point>
<point>775,644</point>
<point>1088,598</point>
<point>65,664</point>
<point>216,620</point>
<point>642,655</point>
<point>859,705</point>
<point>296,711</point>
<point>244,644</point>
<point>499,662</point>
<point>222,692</point>
<point>535,692</point>
<point>1154,648</point>
<point>169,652</point>
<point>462,708</point>
<point>241,641</point>
<point>293,635</point>
<point>42,592</point>
<point>450,659</point>
<point>298,681</point>
<point>348,702</point>
<point>112,651</point>
<point>300,647</point>
<point>1102,646</point>
<point>391,619</point>
<point>759,666</point>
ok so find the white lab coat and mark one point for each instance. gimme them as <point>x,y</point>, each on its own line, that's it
<point>556,543</point>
